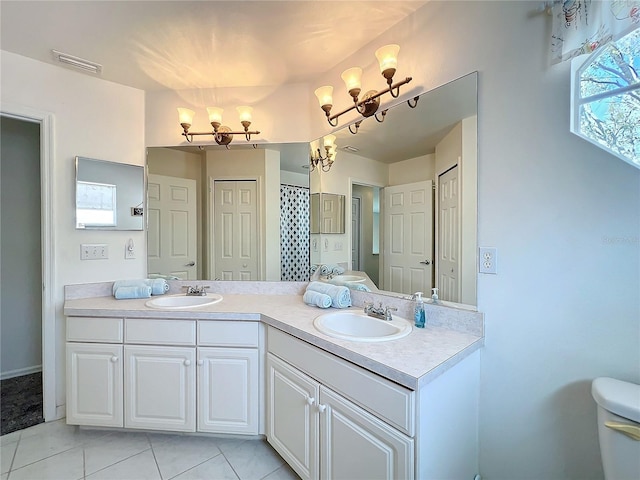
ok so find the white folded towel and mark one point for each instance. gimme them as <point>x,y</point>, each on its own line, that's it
<point>316,299</point>
<point>340,296</point>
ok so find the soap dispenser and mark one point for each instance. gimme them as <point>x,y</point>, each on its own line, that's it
<point>434,296</point>
<point>418,313</point>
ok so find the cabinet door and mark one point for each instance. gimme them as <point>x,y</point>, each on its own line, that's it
<point>228,396</point>
<point>94,384</point>
<point>292,417</point>
<point>161,388</point>
<point>357,445</point>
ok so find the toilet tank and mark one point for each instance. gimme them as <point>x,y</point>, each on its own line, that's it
<point>618,427</point>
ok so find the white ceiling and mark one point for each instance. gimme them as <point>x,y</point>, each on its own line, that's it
<point>155,45</point>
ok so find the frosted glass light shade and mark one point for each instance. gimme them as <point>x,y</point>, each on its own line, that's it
<point>215,114</point>
<point>325,95</point>
<point>352,78</point>
<point>328,141</point>
<point>185,115</point>
<point>388,57</point>
<point>244,113</point>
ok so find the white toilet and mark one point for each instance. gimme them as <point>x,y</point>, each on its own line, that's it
<point>618,427</point>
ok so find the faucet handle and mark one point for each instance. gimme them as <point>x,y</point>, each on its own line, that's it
<point>387,313</point>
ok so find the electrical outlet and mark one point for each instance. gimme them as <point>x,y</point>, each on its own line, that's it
<point>94,251</point>
<point>337,246</point>
<point>129,251</point>
<point>488,260</point>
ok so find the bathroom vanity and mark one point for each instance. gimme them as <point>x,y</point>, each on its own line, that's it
<point>253,364</point>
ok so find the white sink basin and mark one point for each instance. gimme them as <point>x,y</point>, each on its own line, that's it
<point>177,302</point>
<point>359,327</point>
<point>347,278</point>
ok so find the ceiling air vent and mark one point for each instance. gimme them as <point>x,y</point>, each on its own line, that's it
<point>77,62</point>
<point>350,148</point>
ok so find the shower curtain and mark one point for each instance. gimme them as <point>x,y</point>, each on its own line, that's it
<point>294,233</point>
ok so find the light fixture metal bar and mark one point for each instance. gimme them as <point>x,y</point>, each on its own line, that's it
<point>372,97</point>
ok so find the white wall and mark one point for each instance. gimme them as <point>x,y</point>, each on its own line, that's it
<point>95,119</point>
<point>564,216</point>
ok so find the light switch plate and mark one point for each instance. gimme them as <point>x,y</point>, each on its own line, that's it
<point>94,251</point>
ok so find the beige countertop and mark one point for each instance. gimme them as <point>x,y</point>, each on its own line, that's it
<point>412,361</point>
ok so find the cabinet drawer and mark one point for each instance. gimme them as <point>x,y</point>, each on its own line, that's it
<point>228,334</point>
<point>94,329</point>
<point>387,400</point>
<point>160,332</point>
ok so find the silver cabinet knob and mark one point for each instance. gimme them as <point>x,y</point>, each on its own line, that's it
<point>114,359</point>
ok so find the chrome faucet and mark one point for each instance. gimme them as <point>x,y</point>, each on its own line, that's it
<point>383,313</point>
<point>197,291</point>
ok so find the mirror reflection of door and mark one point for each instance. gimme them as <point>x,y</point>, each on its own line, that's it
<point>172,228</point>
<point>356,233</point>
<point>408,242</point>
<point>448,248</point>
<point>236,242</point>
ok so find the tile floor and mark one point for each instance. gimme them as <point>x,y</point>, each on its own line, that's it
<point>57,451</point>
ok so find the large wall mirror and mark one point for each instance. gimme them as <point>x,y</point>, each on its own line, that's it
<point>197,196</point>
<point>411,191</point>
<point>109,195</point>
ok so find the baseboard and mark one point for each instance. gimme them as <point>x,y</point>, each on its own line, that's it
<point>20,371</point>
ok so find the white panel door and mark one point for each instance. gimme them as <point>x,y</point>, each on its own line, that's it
<point>448,247</point>
<point>236,240</point>
<point>228,393</point>
<point>94,384</point>
<point>172,226</point>
<point>408,243</point>
<point>356,445</point>
<point>292,417</point>
<point>161,386</point>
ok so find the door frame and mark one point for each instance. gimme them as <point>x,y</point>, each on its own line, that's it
<point>47,235</point>
<point>347,219</point>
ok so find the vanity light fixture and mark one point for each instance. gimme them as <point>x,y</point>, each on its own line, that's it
<point>368,104</point>
<point>222,134</point>
<point>316,158</point>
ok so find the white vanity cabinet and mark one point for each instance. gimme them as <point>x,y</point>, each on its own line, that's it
<point>325,435</point>
<point>94,371</point>
<point>229,377</point>
<point>164,374</point>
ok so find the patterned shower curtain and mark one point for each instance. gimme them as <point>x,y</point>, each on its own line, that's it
<point>294,233</point>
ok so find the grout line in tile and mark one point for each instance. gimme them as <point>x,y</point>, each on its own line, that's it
<point>230,465</point>
<point>197,465</point>
<point>153,452</point>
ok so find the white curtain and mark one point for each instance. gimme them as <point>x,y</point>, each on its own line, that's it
<point>581,26</point>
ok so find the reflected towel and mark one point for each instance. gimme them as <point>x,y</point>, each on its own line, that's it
<point>316,299</point>
<point>158,286</point>
<point>340,296</point>
<point>123,293</point>
<point>359,286</point>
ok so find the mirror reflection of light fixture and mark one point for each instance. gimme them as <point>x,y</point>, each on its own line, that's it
<point>368,104</point>
<point>316,158</point>
<point>222,134</point>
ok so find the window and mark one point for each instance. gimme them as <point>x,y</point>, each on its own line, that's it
<point>606,98</point>
<point>95,205</point>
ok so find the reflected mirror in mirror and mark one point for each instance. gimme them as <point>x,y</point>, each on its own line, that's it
<point>326,213</point>
<point>237,214</point>
<point>109,195</point>
<point>410,185</point>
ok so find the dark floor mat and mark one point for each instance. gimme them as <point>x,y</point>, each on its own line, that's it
<point>21,402</point>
